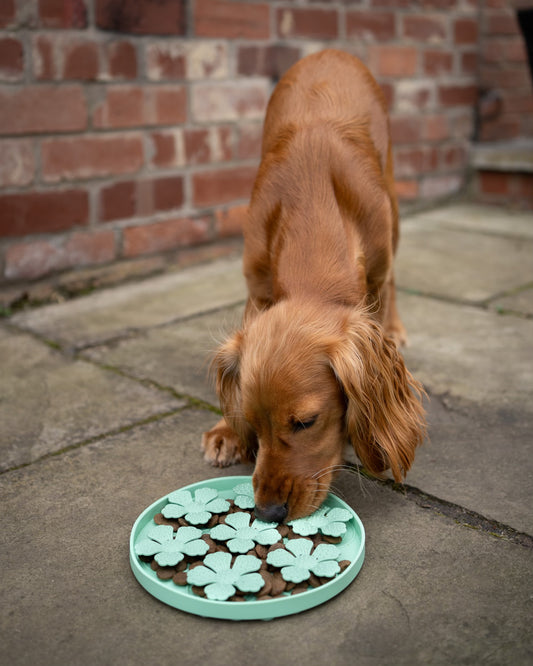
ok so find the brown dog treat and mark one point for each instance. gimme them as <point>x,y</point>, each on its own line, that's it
<point>290,586</point>
<point>283,530</point>
<point>314,581</point>
<point>159,519</point>
<point>209,541</point>
<point>196,563</point>
<point>331,539</point>
<point>221,548</point>
<point>180,578</point>
<point>199,591</point>
<point>252,552</point>
<point>213,521</point>
<point>344,564</point>
<point>278,584</point>
<point>183,522</point>
<point>267,587</point>
<point>165,573</point>
<point>154,565</point>
<point>301,587</point>
<point>222,519</point>
<point>261,551</point>
<point>275,546</point>
<point>263,597</point>
<point>236,598</point>
<point>181,566</point>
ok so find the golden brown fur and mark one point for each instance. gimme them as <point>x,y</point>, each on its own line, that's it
<point>315,363</point>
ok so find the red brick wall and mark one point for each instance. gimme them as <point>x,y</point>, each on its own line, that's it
<point>504,78</point>
<point>132,127</point>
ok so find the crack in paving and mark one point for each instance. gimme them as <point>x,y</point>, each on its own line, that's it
<point>459,514</point>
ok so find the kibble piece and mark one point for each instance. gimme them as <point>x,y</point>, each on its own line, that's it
<point>278,584</point>
<point>283,530</point>
<point>267,587</point>
<point>180,578</point>
<point>213,521</point>
<point>331,539</point>
<point>314,581</point>
<point>199,591</point>
<point>159,519</point>
<point>298,589</point>
<point>261,551</point>
<point>209,541</point>
<point>165,573</point>
<point>344,564</point>
<point>181,566</point>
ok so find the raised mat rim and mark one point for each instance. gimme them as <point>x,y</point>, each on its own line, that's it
<point>186,600</point>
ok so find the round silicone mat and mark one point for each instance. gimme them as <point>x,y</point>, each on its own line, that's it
<point>352,547</point>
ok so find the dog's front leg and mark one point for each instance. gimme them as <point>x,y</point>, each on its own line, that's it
<point>222,446</point>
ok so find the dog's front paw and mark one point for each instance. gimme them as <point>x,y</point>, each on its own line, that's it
<point>221,446</point>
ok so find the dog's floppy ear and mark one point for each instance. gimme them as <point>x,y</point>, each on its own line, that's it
<point>384,415</point>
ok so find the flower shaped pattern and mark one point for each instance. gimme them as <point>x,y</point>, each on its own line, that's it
<point>244,496</point>
<point>241,536</point>
<point>220,579</point>
<point>297,562</point>
<point>331,522</point>
<point>197,511</point>
<point>170,548</point>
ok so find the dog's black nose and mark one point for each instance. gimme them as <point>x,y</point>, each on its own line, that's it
<point>271,513</point>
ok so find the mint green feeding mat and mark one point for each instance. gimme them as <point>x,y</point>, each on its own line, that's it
<point>222,574</point>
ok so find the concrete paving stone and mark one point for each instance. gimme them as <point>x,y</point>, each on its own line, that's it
<point>48,402</point>
<point>478,367</point>
<point>177,355</point>
<point>469,353</point>
<point>430,591</point>
<point>461,264</point>
<point>476,218</point>
<point>520,302</point>
<point>114,312</point>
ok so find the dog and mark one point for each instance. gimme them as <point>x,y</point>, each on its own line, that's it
<point>316,363</point>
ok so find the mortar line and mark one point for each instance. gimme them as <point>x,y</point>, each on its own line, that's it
<point>459,514</point>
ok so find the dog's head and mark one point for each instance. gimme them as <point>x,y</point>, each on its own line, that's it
<point>302,379</point>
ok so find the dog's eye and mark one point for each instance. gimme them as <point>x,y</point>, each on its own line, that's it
<point>304,425</point>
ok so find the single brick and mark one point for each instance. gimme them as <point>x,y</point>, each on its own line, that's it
<point>91,156</point>
<point>63,13</point>
<point>231,20</point>
<point>42,109</point>
<point>123,106</point>
<point>425,28</point>
<point>118,201</point>
<point>394,61</point>
<point>304,22</point>
<point>39,212</point>
<point>142,17</point>
<point>371,25</point>
<point>122,60</point>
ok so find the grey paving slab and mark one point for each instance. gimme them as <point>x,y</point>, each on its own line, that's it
<point>48,402</point>
<point>476,218</point>
<point>430,591</point>
<point>461,264</point>
<point>177,355</point>
<point>478,367</point>
<point>113,312</point>
<point>520,302</point>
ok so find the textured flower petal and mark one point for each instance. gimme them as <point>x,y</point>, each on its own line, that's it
<point>217,505</point>
<point>280,558</point>
<point>245,564</point>
<point>244,496</point>
<point>169,558</point>
<point>238,520</point>
<point>251,582</point>
<point>173,511</point>
<point>334,529</point>
<point>201,576</point>
<point>339,515</point>
<point>240,545</point>
<point>185,534</point>
<point>327,568</point>
<point>205,495</point>
<point>219,591</point>
<point>180,497</point>
<point>299,547</point>
<point>197,517</point>
<point>295,574</point>
<point>268,537</point>
<point>147,547</point>
<point>160,533</point>
<point>218,561</point>
<point>222,532</point>
<point>326,551</point>
<point>194,548</point>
